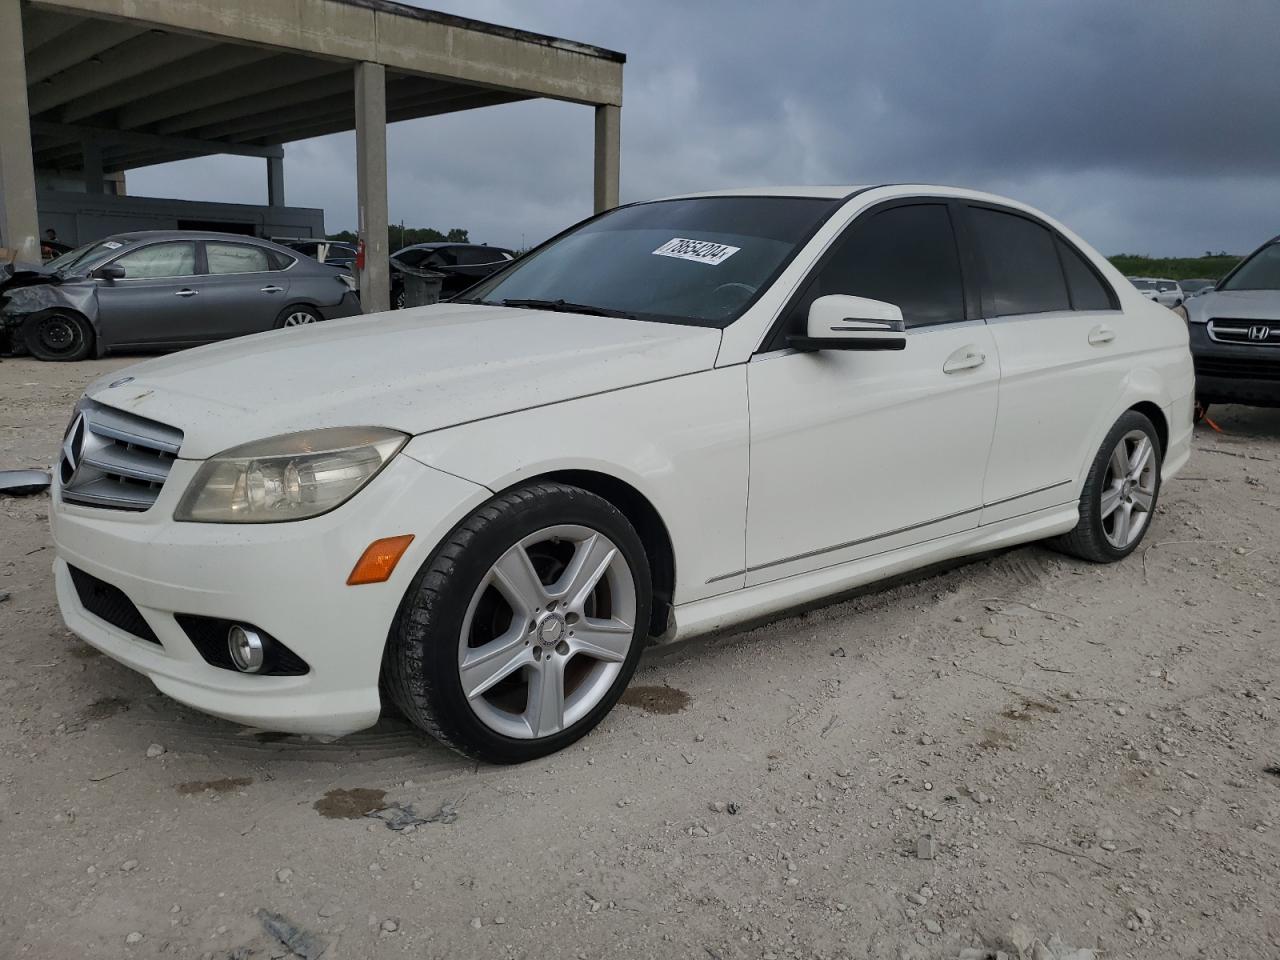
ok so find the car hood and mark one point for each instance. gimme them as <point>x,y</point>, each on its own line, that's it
<point>1235,305</point>
<point>413,370</point>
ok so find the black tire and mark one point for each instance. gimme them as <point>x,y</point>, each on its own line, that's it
<point>290,316</point>
<point>58,335</point>
<point>398,301</point>
<point>1089,540</point>
<point>420,664</point>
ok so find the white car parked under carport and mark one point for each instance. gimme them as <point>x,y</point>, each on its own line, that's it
<point>674,417</point>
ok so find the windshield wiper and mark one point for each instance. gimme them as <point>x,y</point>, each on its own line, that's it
<point>564,306</point>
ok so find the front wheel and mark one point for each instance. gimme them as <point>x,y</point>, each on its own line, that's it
<point>1119,494</point>
<point>520,633</point>
<point>58,336</point>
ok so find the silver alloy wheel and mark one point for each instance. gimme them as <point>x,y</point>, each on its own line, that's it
<point>299,317</point>
<point>547,631</point>
<point>1128,489</point>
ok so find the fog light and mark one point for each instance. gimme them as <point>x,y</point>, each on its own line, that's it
<point>245,647</point>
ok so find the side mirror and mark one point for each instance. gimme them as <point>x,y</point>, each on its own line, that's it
<point>840,322</point>
<point>110,273</point>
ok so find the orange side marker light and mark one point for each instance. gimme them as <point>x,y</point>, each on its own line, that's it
<point>379,560</point>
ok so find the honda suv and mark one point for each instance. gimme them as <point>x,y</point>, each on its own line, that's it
<point>1235,333</point>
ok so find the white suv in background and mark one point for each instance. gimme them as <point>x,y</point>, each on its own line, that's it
<point>486,509</point>
<point>1167,293</point>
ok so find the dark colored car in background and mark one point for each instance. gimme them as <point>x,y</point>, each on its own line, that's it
<point>1235,333</point>
<point>462,264</point>
<point>336,253</point>
<point>166,290</point>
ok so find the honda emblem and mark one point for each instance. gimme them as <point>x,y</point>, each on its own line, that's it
<point>1259,333</point>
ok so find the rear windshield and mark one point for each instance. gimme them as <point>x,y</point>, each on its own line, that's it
<point>700,261</point>
<point>1144,284</point>
<point>1260,272</point>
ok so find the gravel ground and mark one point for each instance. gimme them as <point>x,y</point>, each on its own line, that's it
<point>1019,747</point>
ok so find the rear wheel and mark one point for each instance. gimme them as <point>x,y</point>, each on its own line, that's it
<point>521,632</point>
<point>297,315</point>
<point>1119,494</point>
<point>58,335</point>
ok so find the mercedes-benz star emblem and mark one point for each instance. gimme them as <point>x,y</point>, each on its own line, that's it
<point>72,445</point>
<point>119,383</point>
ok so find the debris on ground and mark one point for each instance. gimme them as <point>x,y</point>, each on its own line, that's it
<point>23,483</point>
<point>400,817</point>
<point>303,943</point>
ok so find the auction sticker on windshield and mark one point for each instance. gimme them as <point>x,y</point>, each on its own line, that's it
<point>700,251</point>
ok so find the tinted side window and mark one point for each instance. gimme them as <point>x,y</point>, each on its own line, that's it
<point>1088,292</point>
<point>1023,272</point>
<point>473,256</point>
<point>159,260</point>
<point>903,255</point>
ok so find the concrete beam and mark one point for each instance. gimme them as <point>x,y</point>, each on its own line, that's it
<point>275,181</point>
<point>305,130</point>
<point>407,40</point>
<point>19,226</point>
<point>39,27</point>
<point>131,58</point>
<point>279,102</point>
<point>371,184</point>
<point>185,103</point>
<point>157,83</point>
<point>260,123</point>
<point>88,40</point>
<point>608,151</point>
<point>148,141</point>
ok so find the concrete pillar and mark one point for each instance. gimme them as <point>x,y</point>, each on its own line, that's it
<point>19,223</point>
<point>275,181</point>
<point>608,149</point>
<point>91,165</point>
<point>371,184</point>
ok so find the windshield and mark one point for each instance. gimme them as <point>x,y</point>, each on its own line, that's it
<point>1144,284</point>
<point>700,261</point>
<point>1260,272</point>
<point>1193,285</point>
<point>84,256</point>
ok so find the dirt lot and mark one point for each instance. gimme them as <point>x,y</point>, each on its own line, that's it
<point>1086,747</point>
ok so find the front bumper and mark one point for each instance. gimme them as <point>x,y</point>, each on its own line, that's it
<point>288,579</point>
<point>1235,373</point>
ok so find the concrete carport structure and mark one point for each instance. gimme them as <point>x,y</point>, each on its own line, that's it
<point>108,85</point>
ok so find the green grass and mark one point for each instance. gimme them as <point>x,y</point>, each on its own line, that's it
<point>1212,266</point>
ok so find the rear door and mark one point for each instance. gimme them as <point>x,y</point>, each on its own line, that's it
<point>856,453</point>
<point>246,288</point>
<point>1061,338</point>
<point>156,302</point>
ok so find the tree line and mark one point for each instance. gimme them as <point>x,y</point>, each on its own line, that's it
<point>399,237</point>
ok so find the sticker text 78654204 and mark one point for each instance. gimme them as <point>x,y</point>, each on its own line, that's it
<point>699,251</point>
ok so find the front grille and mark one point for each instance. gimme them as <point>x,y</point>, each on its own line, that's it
<point>1259,333</point>
<point>111,604</point>
<point>115,459</point>
<point>209,636</point>
<point>1240,368</point>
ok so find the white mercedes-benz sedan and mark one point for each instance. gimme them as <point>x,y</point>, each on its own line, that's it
<point>674,417</point>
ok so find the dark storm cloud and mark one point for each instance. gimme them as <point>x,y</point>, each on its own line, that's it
<point>1152,127</point>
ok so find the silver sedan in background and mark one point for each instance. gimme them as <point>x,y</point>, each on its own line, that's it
<point>166,290</point>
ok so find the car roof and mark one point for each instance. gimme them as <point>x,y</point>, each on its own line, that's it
<point>188,235</point>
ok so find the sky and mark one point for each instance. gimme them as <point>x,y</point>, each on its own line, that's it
<point>1147,126</point>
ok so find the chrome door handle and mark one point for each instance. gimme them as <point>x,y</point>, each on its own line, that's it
<point>1101,334</point>
<point>186,292</point>
<point>272,288</point>
<point>966,358</point>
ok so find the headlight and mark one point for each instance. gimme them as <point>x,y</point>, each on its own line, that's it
<point>292,477</point>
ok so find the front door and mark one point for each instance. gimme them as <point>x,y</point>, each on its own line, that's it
<point>156,302</point>
<point>856,453</point>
